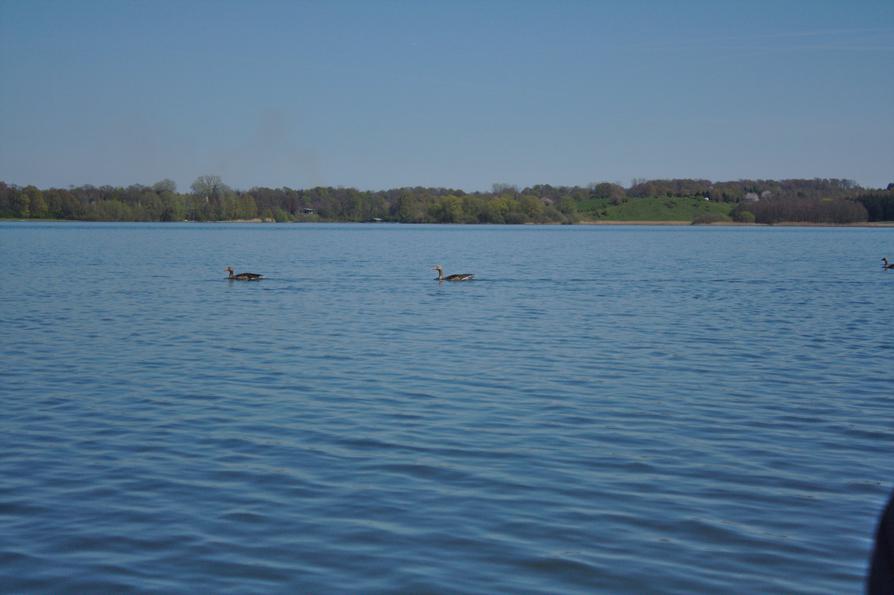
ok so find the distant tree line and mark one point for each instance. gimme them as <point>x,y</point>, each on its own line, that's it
<point>209,199</point>
<point>879,204</point>
<point>817,188</point>
<point>803,210</point>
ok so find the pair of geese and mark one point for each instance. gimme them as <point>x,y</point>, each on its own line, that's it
<point>455,277</point>
<point>256,277</point>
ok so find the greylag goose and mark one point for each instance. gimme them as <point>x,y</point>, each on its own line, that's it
<point>243,276</point>
<point>454,277</point>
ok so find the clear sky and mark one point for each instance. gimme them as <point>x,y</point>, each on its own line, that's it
<point>386,93</point>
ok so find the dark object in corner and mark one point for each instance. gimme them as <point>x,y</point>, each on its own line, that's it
<point>881,567</point>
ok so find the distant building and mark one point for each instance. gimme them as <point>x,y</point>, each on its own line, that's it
<point>308,211</point>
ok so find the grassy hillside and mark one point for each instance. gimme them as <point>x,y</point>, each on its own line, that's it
<point>651,209</point>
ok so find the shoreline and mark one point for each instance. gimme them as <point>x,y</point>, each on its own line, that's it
<point>867,224</point>
<point>736,224</point>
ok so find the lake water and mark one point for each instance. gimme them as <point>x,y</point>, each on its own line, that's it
<point>604,409</point>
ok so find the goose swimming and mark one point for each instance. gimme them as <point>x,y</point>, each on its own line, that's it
<point>886,266</point>
<point>454,277</point>
<point>243,276</point>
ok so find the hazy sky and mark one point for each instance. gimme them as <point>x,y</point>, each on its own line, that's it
<point>379,94</point>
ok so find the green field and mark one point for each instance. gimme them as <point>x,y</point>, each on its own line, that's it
<point>651,209</point>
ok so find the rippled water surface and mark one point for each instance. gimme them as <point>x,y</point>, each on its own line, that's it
<point>622,409</point>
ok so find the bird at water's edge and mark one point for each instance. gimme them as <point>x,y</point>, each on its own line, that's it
<point>243,276</point>
<point>454,277</point>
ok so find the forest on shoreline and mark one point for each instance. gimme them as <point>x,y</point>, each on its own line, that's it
<point>819,200</point>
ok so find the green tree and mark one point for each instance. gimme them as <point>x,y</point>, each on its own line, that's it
<point>172,207</point>
<point>246,207</point>
<point>532,207</point>
<point>20,203</point>
<point>37,205</point>
<point>568,208</point>
<point>614,192</point>
<point>409,208</point>
<point>743,216</point>
<point>211,192</point>
<point>165,185</point>
<point>449,210</point>
<point>209,186</point>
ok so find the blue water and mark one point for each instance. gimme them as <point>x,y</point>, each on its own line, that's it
<point>615,409</point>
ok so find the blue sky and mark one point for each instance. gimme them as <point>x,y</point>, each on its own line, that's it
<point>381,94</point>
